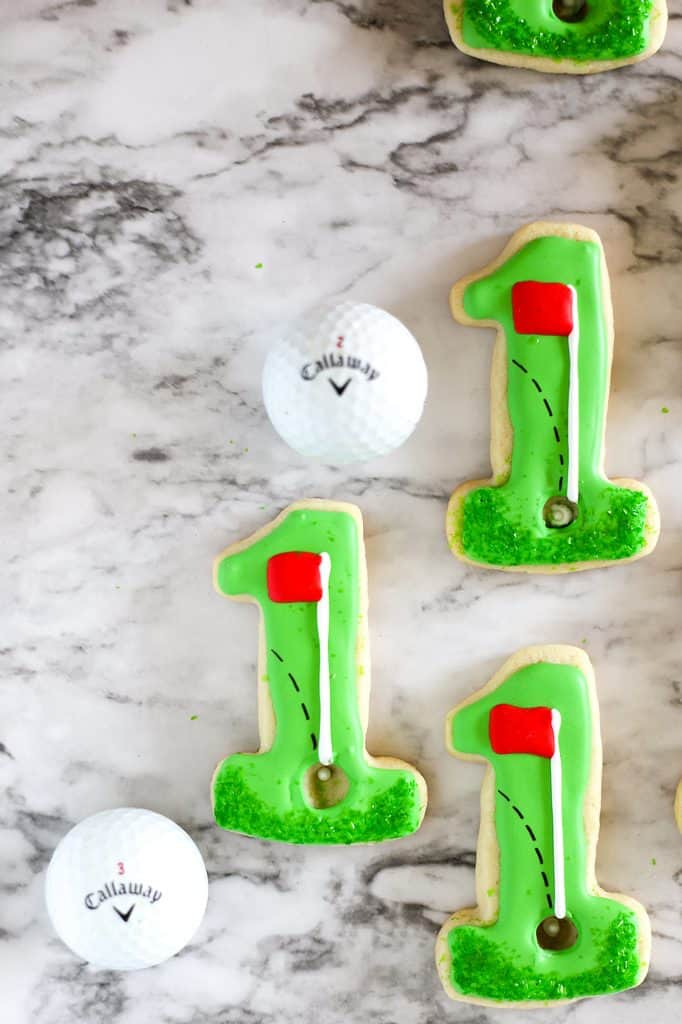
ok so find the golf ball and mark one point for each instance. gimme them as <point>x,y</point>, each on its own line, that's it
<point>126,889</point>
<point>346,383</point>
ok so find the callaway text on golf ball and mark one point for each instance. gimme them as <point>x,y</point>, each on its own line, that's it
<point>346,383</point>
<point>126,889</point>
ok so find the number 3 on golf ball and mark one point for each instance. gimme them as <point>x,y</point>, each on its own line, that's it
<point>347,383</point>
<point>126,889</point>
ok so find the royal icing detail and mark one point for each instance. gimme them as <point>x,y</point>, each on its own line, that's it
<point>549,505</point>
<point>515,730</point>
<point>542,307</point>
<point>536,731</point>
<point>558,35</point>
<point>543,931</point>
<point>304,576</point>
<point>325,746</point>
<point>556,791</point>
<point>552,309</point>
<point>294,576</point>
<point>312,781</point>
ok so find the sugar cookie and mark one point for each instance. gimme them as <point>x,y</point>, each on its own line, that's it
<point>549,506</point>
<point>575,37</point>
<point>312,780</point>
<point>543,931</point>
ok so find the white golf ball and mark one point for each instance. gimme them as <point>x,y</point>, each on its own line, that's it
<point>126,889</point>
<point>346,383</point>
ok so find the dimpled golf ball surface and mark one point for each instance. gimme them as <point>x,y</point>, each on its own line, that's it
<point>126,889</point>
<point>347,383</point>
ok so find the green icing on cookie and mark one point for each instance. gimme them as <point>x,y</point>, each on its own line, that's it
<point>391,809</point>
<point>610,30</point>
<point>503,960</point>
<point>506,524</point>
<point>491,531</point>
<point>268,794</point>
<point>480,967</point>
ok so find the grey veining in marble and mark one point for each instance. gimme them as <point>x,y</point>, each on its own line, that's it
<point>152,155</point>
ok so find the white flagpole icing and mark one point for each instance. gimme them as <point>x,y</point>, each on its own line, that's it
<point>573,403</point>
<point>557,821</point>
<point>325,750</point>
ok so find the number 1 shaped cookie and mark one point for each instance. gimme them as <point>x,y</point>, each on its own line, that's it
<point>543,931</point>
<point>312,780</point>
<point>549,506</point>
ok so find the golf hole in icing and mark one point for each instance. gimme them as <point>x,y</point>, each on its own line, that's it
<point>559,512</point>
<point>326,785</point>
<point>569,11</point>
<point>556,933</point>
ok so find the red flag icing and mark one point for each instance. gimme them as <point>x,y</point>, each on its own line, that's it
<point>294,576</point>
<point>540,308</point>
<point>515,730</point>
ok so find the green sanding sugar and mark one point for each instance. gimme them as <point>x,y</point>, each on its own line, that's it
<point>391,813</point>
<point>489,970</point>
<point>488,531</point>
<point>621,31</point>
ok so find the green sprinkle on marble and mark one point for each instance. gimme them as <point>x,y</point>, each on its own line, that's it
<point>665,409</point>
<point>259,266</point>
<point>487,531</point>
<point>193,718</point>
<point>391,813</point>
<point>612,30</point>
<point>653,861</point>
<point>486,970</point>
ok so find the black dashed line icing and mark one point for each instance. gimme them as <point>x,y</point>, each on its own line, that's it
<point>538,852</point>
<point>548,407</point>
<point>296,686</point>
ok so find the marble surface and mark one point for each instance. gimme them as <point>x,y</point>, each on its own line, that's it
<point>152,155</point>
